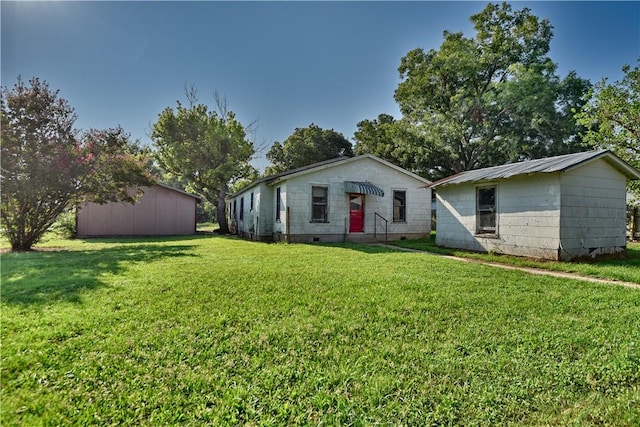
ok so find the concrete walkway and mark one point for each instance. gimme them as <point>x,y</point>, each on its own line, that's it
<point>538,271</point>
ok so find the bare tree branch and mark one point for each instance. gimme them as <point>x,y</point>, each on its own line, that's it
<point>191,93</point>
<point>222,104</point>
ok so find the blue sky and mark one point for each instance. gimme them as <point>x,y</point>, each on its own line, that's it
<point>285,64</point>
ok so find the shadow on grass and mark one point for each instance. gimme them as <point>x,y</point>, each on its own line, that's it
<point>633,251</point>
<point>622,267</point>
<point>632,255</point>
<point>151,239</point>
<point>366,248</point>
<point>426,244</point>
<point>39,278</point>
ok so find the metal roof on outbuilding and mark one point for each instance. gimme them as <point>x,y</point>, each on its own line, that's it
<point>545,165</point>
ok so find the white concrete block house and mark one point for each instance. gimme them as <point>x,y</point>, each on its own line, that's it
<point>557,208</point>
<point>361,198</point>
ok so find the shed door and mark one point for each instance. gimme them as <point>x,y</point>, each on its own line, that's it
<point>356,213</point>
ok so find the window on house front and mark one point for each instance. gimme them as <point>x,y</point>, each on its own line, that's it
<point>241,208</point>
<point>278,204</point>
<point>251,202</point>
<point>486,210</point>
<point>319,203</point>
<point>399,206</point>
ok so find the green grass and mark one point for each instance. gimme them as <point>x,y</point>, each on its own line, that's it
<point>207,226</point>
<point>627,269</point>
<point>213,330</point>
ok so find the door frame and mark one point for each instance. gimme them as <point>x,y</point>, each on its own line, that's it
<point>362,205</point>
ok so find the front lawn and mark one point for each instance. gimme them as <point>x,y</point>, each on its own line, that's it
<point>627,269</point>
<point>214,330</point>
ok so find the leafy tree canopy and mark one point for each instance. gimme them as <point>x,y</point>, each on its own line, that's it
<point>306,146</point>
<point>612,117</point>
<point>209,149</point>
<point>47,165</point>
<point>393,140</point>
<point>489,99</point>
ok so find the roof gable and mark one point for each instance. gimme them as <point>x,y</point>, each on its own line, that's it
<point>166,187</point>
<point>341,161</point>
<point>283,176</point>
<point>545,165</point>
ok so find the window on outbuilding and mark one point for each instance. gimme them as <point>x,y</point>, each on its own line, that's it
<point>241,208</point>
<point>278,203</point>
<point>399,206</point>
<point>319,204</point>
<point>251,202</point>
<point>486,210</point>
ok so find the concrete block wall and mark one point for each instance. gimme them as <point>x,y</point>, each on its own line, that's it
<point>593,210</point>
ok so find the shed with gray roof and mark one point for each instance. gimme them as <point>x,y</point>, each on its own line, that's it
<point>558,208</point>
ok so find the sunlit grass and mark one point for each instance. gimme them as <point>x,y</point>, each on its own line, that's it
<point>213,330</point>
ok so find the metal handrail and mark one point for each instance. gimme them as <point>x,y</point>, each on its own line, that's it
<point>375,226</point>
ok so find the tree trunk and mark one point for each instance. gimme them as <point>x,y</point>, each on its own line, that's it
<point>23,242</point>
<point>221,208</point>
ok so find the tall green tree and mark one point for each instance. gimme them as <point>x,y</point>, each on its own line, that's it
<point>612,117</point>
<point>491,98</point>
<point>48,166</point>
<point>306,146</point>
<point>393,140</point>
<point>209,149</point>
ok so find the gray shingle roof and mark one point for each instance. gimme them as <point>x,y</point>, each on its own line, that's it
<point>546,165</point>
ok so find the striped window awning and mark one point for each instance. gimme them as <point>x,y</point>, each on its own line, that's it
<point>362,188</point>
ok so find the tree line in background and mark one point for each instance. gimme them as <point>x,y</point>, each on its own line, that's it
<point>474,102</point>
<point>480,101</point>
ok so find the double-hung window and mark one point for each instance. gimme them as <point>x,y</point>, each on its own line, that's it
<point>399,206</point>
<point>486,210</point>
<point>319,204</point>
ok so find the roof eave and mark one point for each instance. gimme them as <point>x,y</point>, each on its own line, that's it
<point>168,187</point>
<point>609,156</point>
<point>284,177</point>
<point>623,167</point>
<point>305,170</point>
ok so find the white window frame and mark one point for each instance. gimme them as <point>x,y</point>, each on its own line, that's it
<point>403,219</point>
<point>481,230</point>
<point>325,204</point>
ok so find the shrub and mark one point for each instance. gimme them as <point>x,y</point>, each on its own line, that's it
<point>65,225</point>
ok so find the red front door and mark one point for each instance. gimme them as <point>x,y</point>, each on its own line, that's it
<point>356,213</point>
